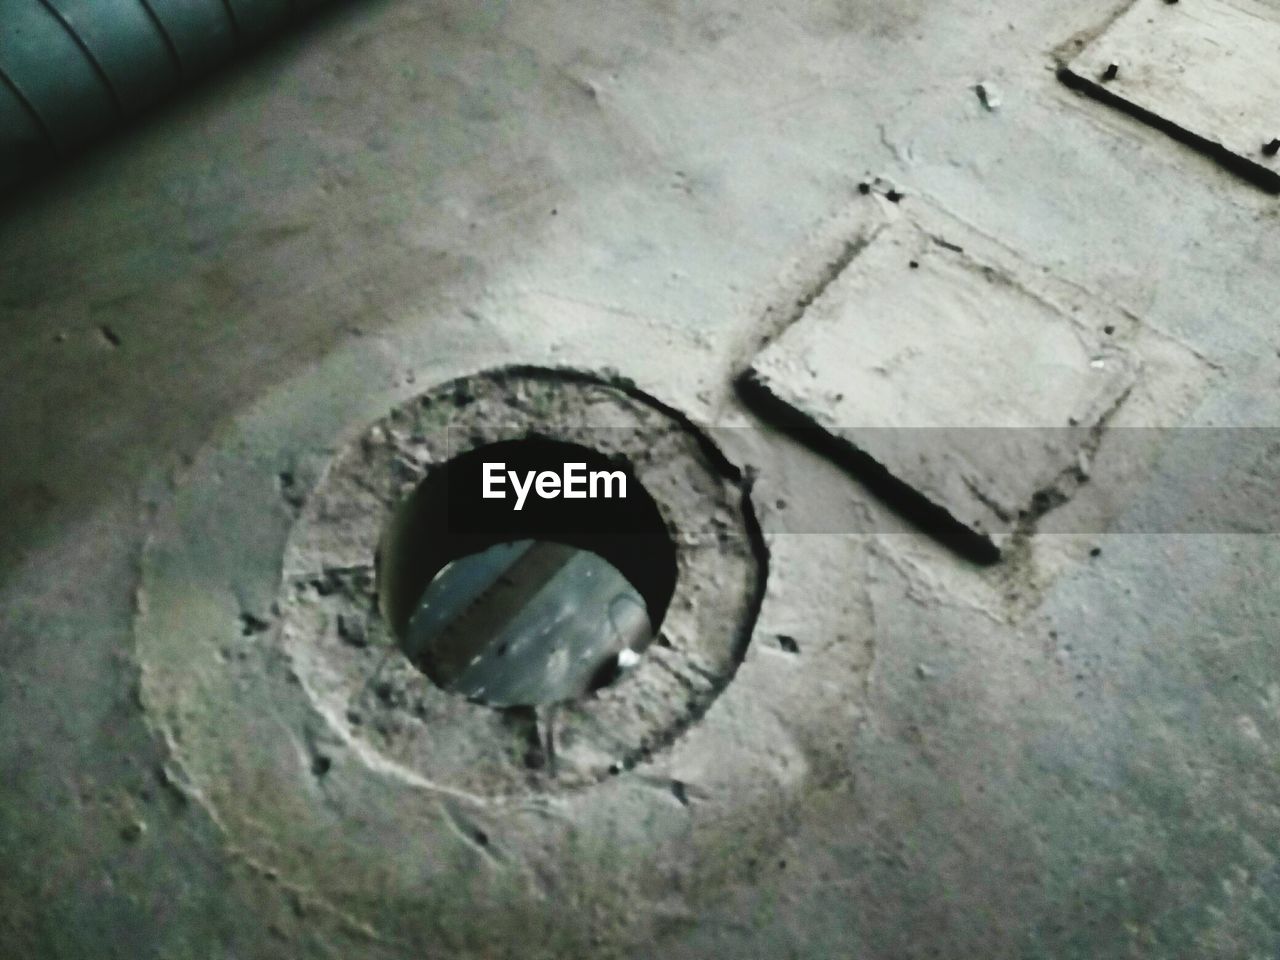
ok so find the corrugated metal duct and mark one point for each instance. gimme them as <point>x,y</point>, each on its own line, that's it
<point>69,69</point>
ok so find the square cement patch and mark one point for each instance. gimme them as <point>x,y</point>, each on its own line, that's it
<point>1204,71</point>
<point>936,356</point>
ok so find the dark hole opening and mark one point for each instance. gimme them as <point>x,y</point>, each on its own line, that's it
<point>531,606</point>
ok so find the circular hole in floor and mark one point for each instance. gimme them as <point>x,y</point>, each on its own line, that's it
<point>537,605</point>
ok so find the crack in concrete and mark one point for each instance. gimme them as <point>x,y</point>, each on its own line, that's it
<point>1072,477</point>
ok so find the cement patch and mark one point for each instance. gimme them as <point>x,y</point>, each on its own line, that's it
<point>1205,71</point>
<point>257,700</point>
<point>954,370</point>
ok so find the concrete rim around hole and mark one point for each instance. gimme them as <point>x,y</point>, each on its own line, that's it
<point>332,632</point>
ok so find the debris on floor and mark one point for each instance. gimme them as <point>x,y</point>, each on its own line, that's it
<point>989,95</point>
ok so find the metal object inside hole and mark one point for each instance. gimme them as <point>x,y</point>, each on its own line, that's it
<point>527,623</point>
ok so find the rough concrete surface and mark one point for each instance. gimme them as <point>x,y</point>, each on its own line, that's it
<point>1069,753</point>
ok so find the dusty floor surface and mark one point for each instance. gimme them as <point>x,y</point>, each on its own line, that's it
<point>1070,753</point>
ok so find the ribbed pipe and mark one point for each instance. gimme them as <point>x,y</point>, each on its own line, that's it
<point>69,69</point>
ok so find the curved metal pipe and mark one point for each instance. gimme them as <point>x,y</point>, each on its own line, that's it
<point>69,69</point>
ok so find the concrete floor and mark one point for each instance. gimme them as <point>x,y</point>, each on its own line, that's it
<point>1062,755</point>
